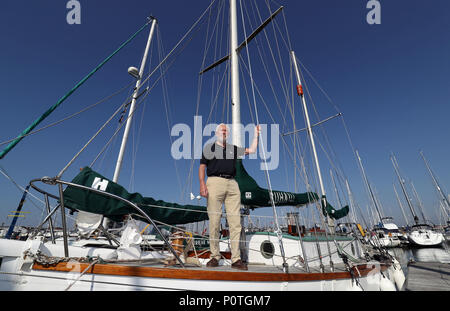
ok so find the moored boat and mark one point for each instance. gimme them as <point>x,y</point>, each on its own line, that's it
<point>125,259</point>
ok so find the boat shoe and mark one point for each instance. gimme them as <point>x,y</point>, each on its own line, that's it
<point>213,263</point>
<point>239,265</point>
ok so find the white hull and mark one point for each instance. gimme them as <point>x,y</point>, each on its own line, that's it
<point>59,281</point>
<point>293,248</point>
<point>388,242</point>
<point>331,264</point>
<point>425,237</point>
<point>386,235</point>
<point>19,274</point>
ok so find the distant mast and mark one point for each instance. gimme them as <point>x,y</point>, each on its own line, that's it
<point>402,184</point>
<point>445,199</point>
<point>400,204</point>
<point>369,188</point>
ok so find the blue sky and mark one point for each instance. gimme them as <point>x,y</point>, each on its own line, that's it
<point>390,81</point>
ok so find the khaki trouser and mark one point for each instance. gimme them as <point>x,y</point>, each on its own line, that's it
<point>222,190</point>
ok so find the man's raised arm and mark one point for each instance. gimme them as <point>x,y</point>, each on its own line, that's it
<point>254,145</point>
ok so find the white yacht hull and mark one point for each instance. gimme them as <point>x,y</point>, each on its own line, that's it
<point>33,280</point>
<point>295,251</point>
<point>425,238</point>
<point>388,242</point>
<point>19,273</point>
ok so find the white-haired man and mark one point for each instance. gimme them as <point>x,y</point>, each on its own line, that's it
<point>219,160</point>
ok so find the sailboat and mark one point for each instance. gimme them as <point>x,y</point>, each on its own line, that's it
<point>444,201</point>
<point>420,234</point>
<point>120,258</point>
<point>385,233</point>
<point>403,236</point>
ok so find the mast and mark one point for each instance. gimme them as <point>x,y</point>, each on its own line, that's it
<point>436,184</point>
<point>234,65</point>
<point>401,205</point>
<point>106,221</point>
<point>311,137</point>
<point>419,202</point>
<point>372,196</point>
<point>133,104</point>
<point>402,184</point>
<point>236,112</point>
<point>338,199</point>
<point>352,204</point>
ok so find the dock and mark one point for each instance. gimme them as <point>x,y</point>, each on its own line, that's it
<point>428,276</point>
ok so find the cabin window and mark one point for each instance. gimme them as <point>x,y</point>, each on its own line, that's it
<point>267,249</point>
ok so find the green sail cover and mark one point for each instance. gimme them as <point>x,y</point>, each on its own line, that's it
<point>89,201</point>
<point>255,196</point>
<point>172,213</point>
<point>334,213</point>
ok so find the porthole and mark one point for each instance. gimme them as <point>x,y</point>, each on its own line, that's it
<point>267,249</point>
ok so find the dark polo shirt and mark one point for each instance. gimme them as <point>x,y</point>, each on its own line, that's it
<point>219,160</point>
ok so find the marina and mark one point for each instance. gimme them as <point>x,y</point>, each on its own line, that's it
<point>426,269</point>
<point>267,192</point>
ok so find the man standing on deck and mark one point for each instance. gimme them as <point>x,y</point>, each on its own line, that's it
<point>219,160</point>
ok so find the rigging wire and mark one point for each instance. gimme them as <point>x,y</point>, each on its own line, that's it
<point>72,115</point>
<point>288,45</point>
<point>283,139</point>
<point>341,177</point>
<point>119,127</point>
<point>179,42</point>
<point>166,100</point>
<point>22,189</point>
<point>285,87</point>
<point>285,266</point>
<point>206,47</point>
<point>339,167</point>
<point>111,144</point>
<point>68,94</point>
<point>143,82</point>
<point>137,135</point>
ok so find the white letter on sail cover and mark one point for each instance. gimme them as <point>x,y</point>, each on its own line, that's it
<point>100,184</point>
<point>74,15</point>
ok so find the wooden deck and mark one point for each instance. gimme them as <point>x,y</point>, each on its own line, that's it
<point>428,276</point>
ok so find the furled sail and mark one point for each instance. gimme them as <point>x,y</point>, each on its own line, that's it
<point>172,213</point>
<point>254,196</point>
<point>89,201</point>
